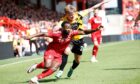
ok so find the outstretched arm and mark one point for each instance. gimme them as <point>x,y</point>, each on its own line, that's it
<point>88,31</point>
<point>86,11</point>
<point>37,35</point>
<point>100,4</point>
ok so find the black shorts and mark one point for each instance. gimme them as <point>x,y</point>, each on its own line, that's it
<point>77,47</point>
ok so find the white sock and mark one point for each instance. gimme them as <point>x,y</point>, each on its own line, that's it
<point>34,79</point>
<point>93,56</point>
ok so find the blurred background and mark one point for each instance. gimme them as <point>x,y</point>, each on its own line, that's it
<point>19,18</point>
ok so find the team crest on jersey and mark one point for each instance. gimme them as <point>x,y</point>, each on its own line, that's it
<point>97,21</point>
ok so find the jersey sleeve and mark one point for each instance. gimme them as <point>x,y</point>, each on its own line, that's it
<point>83,13</point>
<point>53,34</point>
<point>80,22</point>
<point>50,34</point>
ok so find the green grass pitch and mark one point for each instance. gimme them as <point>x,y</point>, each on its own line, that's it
<point>119,63</point>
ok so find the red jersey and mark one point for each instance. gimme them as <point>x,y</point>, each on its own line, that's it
<point>95,22</point>
<point>59,44</point>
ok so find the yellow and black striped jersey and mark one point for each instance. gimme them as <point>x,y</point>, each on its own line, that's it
<point>77,23</point>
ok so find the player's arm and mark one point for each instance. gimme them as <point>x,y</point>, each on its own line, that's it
<point>86,11</point>
<point>58,26</point>
<point>37,35</point>
<point>88,31</point>
<point>100,4</point>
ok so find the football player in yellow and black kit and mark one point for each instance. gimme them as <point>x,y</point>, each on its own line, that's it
<point>75,19</point>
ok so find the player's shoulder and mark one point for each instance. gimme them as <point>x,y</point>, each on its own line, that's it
<point>54,33</point>
<point>80,16</point>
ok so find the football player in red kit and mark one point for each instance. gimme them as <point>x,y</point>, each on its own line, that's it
<point>52,55</point>
<point>96,37</point>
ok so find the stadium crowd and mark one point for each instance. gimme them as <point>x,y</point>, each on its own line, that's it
<point>131,9</point>
<point>17,22</point>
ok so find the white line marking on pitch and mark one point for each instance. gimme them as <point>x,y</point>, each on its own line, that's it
<point>19,62</point>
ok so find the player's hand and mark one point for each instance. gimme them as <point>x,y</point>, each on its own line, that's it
<point>100,27</point>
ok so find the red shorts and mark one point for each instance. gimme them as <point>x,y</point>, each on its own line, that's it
<point>96,39</point>
<point>50,56</point>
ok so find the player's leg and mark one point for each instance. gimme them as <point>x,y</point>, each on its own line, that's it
<point>75,64</point>
<point>36,46</point>
<point>48,60</point>
<point>65,58</point>
<point>35,79</point>
<point>36,66</point>
<point>30,43</point>
<point>50,69</point>
<point>64,62</point>
<point>76,61</point>
<point>41,65</point>
<point>51,66</point>
<point>77,50</point>
<point>97,42</point>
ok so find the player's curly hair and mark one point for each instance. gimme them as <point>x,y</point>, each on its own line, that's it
<point>63,23</point>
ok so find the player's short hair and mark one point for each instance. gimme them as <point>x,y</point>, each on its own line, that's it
<point>70,9</point>
<point>63,23</point>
